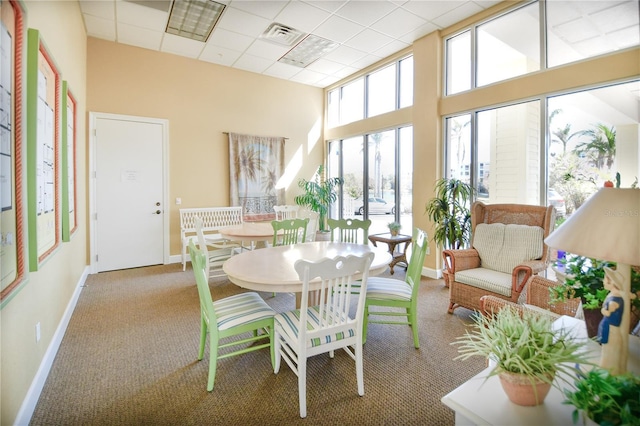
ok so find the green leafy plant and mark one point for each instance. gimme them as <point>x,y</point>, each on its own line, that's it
<point>318,195</point>
<point>449,211</point>
<point>605,398</point>
<point>522,344</point>
<point>585,279</point>
<point>394,226</point>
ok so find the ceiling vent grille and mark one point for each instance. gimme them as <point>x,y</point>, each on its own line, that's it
<point>281,34</point>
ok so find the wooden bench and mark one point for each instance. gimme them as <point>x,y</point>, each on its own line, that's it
<point>213,219</point>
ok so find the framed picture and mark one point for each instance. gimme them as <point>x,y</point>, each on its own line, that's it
<point>43,151</point>
<point>13,270</point>
<point>68,109</point>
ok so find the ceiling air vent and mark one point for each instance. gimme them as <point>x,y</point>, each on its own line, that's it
<point>281,34</point>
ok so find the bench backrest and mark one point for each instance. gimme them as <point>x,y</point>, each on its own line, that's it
<point>213,218</point>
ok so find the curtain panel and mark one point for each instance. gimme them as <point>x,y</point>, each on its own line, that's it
<point>256,164</point>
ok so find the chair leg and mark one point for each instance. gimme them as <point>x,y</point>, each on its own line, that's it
<point>213,362</point>
<point>302,386</point>
<point>359,369</point>
<point>272,347</point>
<point>275,344</point>
<point>203,337</point>
<point>413,320</point>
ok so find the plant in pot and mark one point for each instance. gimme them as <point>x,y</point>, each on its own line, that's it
<point>584,279</point>
<point>604,398</point>
<point>318,195</point>
<point>527,353</point>
<point>450,212</point>
<point>394,228</point>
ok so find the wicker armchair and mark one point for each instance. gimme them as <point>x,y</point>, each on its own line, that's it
<point>507,249</point>
<point>538,300</point>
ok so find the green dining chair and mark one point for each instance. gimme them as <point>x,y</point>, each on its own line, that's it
<point>245,313</point>
<point>289,231</point>
<point>394,293</point>
<point>349,230</point>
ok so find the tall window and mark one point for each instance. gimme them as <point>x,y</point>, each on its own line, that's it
<point>383,90</point>
<point>512,44</point>
<point>378,176</point>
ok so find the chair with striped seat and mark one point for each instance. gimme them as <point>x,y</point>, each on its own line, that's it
<point>325,326</point>
<point>244,313</point>
<point>394,293</point>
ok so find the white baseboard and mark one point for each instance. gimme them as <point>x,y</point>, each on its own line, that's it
<point>431,273</point>
<point>33,394</point>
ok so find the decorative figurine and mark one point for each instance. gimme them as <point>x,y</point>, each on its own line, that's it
<point>609,332</point>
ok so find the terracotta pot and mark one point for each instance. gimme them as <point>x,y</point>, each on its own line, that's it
<point>521,391</point>
<point>323,236</point>
<point>394,232</point>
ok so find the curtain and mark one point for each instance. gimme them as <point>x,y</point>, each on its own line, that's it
<point>256,164</point>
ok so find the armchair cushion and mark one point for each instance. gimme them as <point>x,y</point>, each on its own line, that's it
<point>503,247</point>
<point>487,279</point>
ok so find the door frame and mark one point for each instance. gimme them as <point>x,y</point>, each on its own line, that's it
<point>93,117</point>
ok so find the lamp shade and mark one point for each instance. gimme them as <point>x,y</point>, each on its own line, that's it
<point>606,227</point>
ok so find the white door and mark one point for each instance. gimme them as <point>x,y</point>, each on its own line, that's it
<point>129,197</point>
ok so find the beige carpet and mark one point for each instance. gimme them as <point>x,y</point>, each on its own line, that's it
<point>129,357</point>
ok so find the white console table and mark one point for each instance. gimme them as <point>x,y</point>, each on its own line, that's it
<point>482,401</point>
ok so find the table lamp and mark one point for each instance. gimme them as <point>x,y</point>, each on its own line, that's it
<point>606,227</point>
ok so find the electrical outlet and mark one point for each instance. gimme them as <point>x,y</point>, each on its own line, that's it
<point>37,332</point>
<point>178,201</point>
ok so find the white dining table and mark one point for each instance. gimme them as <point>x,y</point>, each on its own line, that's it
<point>271,269</point>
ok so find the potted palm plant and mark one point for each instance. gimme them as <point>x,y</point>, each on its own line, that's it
<point>318,195</point>
<point>450,212</point>
<point>526,351</point>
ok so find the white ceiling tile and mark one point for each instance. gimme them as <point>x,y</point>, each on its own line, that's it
<point>265,9</point>
<point>346,71</point>
<point>327,81</point>
<point>365,12</point>
<point>338,29</point>
<point>219,55</point>
<point>325,66</point>
<point>430,10</point>
<point>280,70</point>
<point>308,77</point>
<point>100,28</point>
<point>264,49</point>
<point>366,61</point>
<point>345,55</point>
<point>368,40</point>
<point>140,37</point>
<point>242,22</point>
<point>417,33</point>
<point>99,8</point>
<point>181,46</point>
<point>141,16</point>
<point>390,48</point>
<point>486,4</point>
<point>457,15</point>
<point>229,39</point>
<point>302,16</point>
<point>398,23</point>
<point>328,5</point>
<point>252,63</point>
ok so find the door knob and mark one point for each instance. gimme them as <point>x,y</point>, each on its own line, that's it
<point>158,204</point>
<point>158,212</point>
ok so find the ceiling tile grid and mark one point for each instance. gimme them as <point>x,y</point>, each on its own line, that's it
<point>365,31</point>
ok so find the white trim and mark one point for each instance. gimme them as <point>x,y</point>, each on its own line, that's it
<point>93,116</point>
<point>33,394</point>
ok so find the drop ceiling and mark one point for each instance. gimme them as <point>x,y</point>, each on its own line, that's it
<point>365,31</point>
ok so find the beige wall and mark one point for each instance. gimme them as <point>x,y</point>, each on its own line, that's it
<point>45,295</point>
<point>201,102</point>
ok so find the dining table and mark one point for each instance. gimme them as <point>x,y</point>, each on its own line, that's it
<point>272,269</point>
<point>249,232</point>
